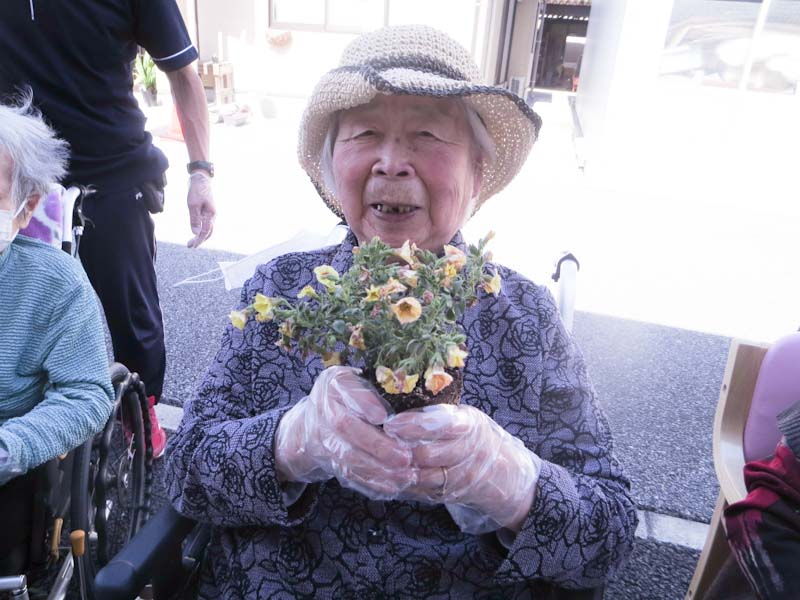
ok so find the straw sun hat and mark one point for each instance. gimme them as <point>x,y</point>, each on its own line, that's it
<point>416,60</point>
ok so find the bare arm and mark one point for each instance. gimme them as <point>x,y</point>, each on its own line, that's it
<point>190,103</point>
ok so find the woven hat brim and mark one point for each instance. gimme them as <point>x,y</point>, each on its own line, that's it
<point>510,122</point>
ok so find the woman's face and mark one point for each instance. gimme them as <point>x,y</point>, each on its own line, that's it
<point>6,203</point>
<point>404,168</point>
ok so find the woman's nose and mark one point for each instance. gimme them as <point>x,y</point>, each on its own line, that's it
<point>394,160</point>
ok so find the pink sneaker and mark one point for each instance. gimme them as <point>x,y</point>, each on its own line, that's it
<point>158,436</point>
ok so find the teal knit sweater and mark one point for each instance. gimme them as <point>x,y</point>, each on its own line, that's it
<point>55,390</point>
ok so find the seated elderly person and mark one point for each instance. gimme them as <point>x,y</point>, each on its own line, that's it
<point>55,390</point>
<point>314,488</point>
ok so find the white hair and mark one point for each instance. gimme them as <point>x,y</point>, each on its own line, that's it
<point>482,144</point>
<point>38,157</point>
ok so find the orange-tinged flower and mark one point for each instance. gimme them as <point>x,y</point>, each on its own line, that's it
<point>330,359</point>
<point>238,318</point>
<point>436,379</point>
<point>455,356</point>
<point>357,338</point>
<point>409,276</point>
<point>391,287</point>
<point>407,310</point>
<point>308,292</point>
<point>492,286</point>
<point>455,256</point>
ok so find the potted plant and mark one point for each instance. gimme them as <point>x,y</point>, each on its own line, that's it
<point>144,76</point>
<point>395,313</point>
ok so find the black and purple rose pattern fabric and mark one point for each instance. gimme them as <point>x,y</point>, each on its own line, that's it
<point>524,370</point>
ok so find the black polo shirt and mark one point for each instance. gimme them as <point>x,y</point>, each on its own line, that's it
<point>77,56</point>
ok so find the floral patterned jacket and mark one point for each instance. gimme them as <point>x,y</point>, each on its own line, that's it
<point>524,370</point>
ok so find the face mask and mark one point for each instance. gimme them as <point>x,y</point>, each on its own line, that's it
<point>7,233</point>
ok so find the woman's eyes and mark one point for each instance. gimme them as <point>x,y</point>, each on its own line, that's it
<point>371,133</point>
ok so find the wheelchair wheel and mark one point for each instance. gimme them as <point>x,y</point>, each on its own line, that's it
<point>118,468</point>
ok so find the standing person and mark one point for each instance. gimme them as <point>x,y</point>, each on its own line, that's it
<point>77,58</point>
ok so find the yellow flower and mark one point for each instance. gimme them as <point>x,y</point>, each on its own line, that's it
<point>450,271</point>
<point>407,310</point>
<point>263,305</point>
<point>390,387</point>
<point>436,379</point>
<point>327,276</point>
<point>409,383</point>
<point>383,374</point>
<point>287,328</point>
<point>308,292</point>
<point>391,287</point>
<point>373,294</point>
<point>455,256</point>
<point>405,252</point>
<point>455,356</point>
<point>330,359</point>
<point>492,286</point>
<point>410,276</point>
<point>238,318</point>
<point>357,338</point>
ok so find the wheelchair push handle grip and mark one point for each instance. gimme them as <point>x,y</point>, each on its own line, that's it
<point>77,540</point>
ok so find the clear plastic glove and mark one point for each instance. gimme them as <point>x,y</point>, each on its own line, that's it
<point>200,201</point>
<point>485,476</point>
<point>335,432</point>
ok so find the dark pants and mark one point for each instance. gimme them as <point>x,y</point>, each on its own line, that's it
<point>118,251</point>
<point>16,522</point>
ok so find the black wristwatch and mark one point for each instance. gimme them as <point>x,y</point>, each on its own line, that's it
<point>201,164</point>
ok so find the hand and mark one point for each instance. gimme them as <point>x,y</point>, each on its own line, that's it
<point>334,432</point>
<point>485,476</point>
<point>202,212</point>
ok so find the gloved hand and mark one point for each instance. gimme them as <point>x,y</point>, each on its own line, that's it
<point>334,432</point>
<point>485,476</point>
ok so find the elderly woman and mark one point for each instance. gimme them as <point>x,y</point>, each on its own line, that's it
<point>314,488</point>
<point>55,390</point>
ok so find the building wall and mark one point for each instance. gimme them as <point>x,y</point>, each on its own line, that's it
<point>521,56</point>
<point>657,134</point>
<point>238,31</point>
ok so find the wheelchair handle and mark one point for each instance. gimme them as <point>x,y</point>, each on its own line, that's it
<point>131,569</point>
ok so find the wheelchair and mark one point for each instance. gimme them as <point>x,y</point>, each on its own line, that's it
<point>168,551</point>
<point>88,503</point>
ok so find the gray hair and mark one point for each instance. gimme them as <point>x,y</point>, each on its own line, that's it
<point>482,143</point>
<point>38,157</point>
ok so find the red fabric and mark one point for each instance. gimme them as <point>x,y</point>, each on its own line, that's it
<point>764,528</point>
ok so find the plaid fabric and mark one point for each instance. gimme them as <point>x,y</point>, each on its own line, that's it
<point>764,528</point>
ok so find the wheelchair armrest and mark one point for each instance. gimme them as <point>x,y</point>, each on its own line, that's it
<point>133,567</point>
